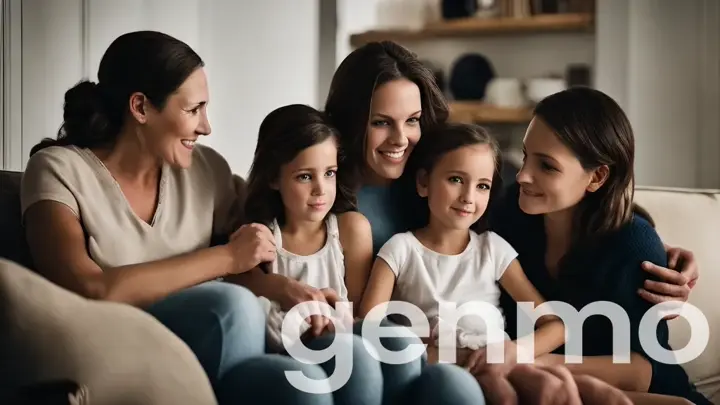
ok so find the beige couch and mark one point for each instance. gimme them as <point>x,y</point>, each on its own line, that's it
<point>691,219</point>
<point>117,354</point>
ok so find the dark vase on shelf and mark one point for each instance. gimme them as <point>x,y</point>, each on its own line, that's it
<point>469,77</point>
<point>452,9</point>
<point>578,75</point>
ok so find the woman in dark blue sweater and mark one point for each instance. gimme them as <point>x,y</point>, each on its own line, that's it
<point>571,219</point>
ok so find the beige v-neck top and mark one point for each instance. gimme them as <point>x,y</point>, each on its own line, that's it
<point>193,204</point>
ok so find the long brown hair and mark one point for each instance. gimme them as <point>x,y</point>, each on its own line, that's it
<point>594,127</point>
<point>284,133</point>
<point>352,89</point>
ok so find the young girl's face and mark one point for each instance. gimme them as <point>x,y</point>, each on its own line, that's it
<point>551,178</point>
<point>307,183</point>
<point>393,128</point>
<point>458,187</point>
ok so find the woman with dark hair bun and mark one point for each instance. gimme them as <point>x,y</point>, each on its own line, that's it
<point>124,205</point>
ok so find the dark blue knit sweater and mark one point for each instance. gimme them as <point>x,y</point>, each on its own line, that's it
<point>609,269</point>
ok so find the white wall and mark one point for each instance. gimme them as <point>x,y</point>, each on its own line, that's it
<point>260,55</point>
<point>659,59</point>
<point>51,63</point>
<point>108,19</point>
<point>354,16</point>
<point>709,95</point>
<point>11,103</point>
<point>327,47</point>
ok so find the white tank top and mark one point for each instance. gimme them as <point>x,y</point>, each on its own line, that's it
<point>322,269</point>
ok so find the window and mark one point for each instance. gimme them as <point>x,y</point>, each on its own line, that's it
<point>10,84</point>
<point>2,83</point>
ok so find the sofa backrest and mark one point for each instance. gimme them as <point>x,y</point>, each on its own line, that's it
<point>13,245</point>
<point>691,219</point>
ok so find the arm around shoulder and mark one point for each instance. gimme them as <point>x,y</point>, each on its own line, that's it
<point>676,278</point>
<point>639,244</point>
<point>645,245</point>
<point>634,244</point>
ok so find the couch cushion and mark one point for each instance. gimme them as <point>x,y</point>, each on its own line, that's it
<point>13,245</point>
<point>121,354</point>
<point>691,219</point>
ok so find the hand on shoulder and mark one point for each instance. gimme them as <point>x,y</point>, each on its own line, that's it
<point>675,272</point>
<point>251,245</point>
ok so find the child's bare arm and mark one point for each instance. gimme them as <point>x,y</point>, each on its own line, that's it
<point>551,331</point>
<point>356,239</point>
<point>379,288</point>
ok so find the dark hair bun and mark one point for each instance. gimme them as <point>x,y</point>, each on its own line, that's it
<point>84,115</point>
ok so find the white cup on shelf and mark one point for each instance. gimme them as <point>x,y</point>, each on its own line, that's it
<point>505,92</point>
<point>401,14</point>
<point>540,87</point>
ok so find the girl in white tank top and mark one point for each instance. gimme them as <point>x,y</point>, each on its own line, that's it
<point>293,188</point>
<point>322,269</point>
<point>455,261</point>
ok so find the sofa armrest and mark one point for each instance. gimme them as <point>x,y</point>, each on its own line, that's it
<point>54,340</point>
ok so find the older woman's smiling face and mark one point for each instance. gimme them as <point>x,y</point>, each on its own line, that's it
<point>171,133</point>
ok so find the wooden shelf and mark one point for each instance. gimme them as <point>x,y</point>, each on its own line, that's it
<point>481,113</point>
<point>474,27</point>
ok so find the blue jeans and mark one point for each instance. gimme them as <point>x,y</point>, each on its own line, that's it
<point>370,380</point>
<point>417,383</point>
<point>365,383</point>
<point>224,325</point>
